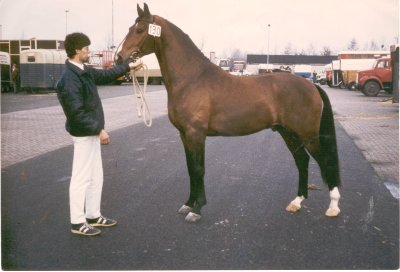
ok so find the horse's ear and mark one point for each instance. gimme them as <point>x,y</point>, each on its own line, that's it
<point>146,10</point>
<point>140,12</point>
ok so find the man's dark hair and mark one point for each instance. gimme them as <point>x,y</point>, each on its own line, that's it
<point>75,41</point>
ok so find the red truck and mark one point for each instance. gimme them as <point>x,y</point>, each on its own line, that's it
<point>372,81</point>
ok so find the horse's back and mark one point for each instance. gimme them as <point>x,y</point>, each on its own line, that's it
<point>244,105</point>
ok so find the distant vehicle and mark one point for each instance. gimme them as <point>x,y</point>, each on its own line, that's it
<point>303,70</point>
<point>350,68</point>
<point>321,78</point>
<point>5,70</point>
<point>333,74</point>
<point>344,70</point>
<point>225,64</point>
<point>40,69</point>
<point>239,68</point>
<point>267,68</point>
<point>370,82</point>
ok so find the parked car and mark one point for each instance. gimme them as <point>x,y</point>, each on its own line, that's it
<point>321,78</point>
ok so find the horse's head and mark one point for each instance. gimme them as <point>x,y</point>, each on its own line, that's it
<point>140,40</point>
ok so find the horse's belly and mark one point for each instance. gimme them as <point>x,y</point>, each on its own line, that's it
<point>238,125</point>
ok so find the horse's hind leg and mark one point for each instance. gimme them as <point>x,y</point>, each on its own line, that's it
<point>302,159</point>
<point>194,144</point>
<point>328,163</point>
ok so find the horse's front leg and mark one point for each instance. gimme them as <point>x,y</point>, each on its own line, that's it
<point>194,143</point>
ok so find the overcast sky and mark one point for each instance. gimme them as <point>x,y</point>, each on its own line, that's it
<point>214,25</point>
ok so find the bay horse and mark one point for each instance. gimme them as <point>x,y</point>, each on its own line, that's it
<point>204,100</point>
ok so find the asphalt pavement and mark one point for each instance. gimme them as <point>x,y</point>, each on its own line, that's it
<point>249,181</point>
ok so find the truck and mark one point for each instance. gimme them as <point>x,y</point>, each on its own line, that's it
<point>239,68</point>
<point>344,70</point>
<point>225,64</point>
<point>350,68</point>
<point>372,81</point>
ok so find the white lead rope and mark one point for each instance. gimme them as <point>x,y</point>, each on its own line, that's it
<point>141,103</point>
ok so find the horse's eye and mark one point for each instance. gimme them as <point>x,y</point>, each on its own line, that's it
<point>139,30</point>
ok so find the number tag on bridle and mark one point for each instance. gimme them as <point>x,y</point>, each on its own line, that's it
<point>154,30</point>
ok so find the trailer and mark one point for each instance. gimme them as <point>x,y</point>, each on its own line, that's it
<point>333,74</point>
<point>40,69</point>
<point>6,84</point>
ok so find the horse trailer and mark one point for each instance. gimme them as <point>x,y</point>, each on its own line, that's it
<point>5,70</point>
<point>41,68</point>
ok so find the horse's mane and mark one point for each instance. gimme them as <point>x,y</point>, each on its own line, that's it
<point>186,39</point>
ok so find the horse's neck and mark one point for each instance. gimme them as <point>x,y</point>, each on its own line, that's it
<point>179,58</point>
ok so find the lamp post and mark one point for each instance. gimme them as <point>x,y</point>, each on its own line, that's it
<point>66,22</point>
<point>269,27</point>
<point>112,26</point>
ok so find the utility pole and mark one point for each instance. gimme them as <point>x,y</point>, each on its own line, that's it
<point>269,27</point>
<point>66,22</point>
<point>112,26</point>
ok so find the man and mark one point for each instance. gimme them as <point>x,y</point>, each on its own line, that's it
<point>15,78</point>
<point>79,98</point>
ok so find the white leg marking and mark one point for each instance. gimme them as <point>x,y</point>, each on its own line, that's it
<point>295,205</point>
<point>185,209</point>
<point>192,217</point>
<point>333,209</point>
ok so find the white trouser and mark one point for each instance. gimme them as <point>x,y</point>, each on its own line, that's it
<point>87,179</point>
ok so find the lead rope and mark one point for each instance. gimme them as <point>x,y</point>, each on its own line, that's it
<point>142,107</point>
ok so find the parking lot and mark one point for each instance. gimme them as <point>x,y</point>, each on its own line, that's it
<point>249,181</point>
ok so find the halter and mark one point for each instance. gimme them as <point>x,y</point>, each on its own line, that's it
<point>150,23</point>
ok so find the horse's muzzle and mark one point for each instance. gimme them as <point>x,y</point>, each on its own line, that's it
<point>120,59</point>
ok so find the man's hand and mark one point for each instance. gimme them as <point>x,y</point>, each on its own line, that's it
<point>104,138</point>
<point>136,65</point>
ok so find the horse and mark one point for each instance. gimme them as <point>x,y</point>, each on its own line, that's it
<point>204,100</point>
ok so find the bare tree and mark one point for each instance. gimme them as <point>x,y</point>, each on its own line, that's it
<point>311,49</point>
<point>353,45</point>
<point>302,52</point>
<point>372,45</point>
<point>288,49</point>
<point>326,51</point>
<point>237,54</point>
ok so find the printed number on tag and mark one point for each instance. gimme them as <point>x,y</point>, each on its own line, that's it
<point>155,30</point>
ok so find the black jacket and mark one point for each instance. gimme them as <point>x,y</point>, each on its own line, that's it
<point>77,93</point>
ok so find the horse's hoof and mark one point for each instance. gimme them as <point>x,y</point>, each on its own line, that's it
<point>192,217</point>
<point>293,208</point>
<point>185,209</point>
<point>332,212</point>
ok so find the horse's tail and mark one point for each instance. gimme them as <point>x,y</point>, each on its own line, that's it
<point>328,146</point>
